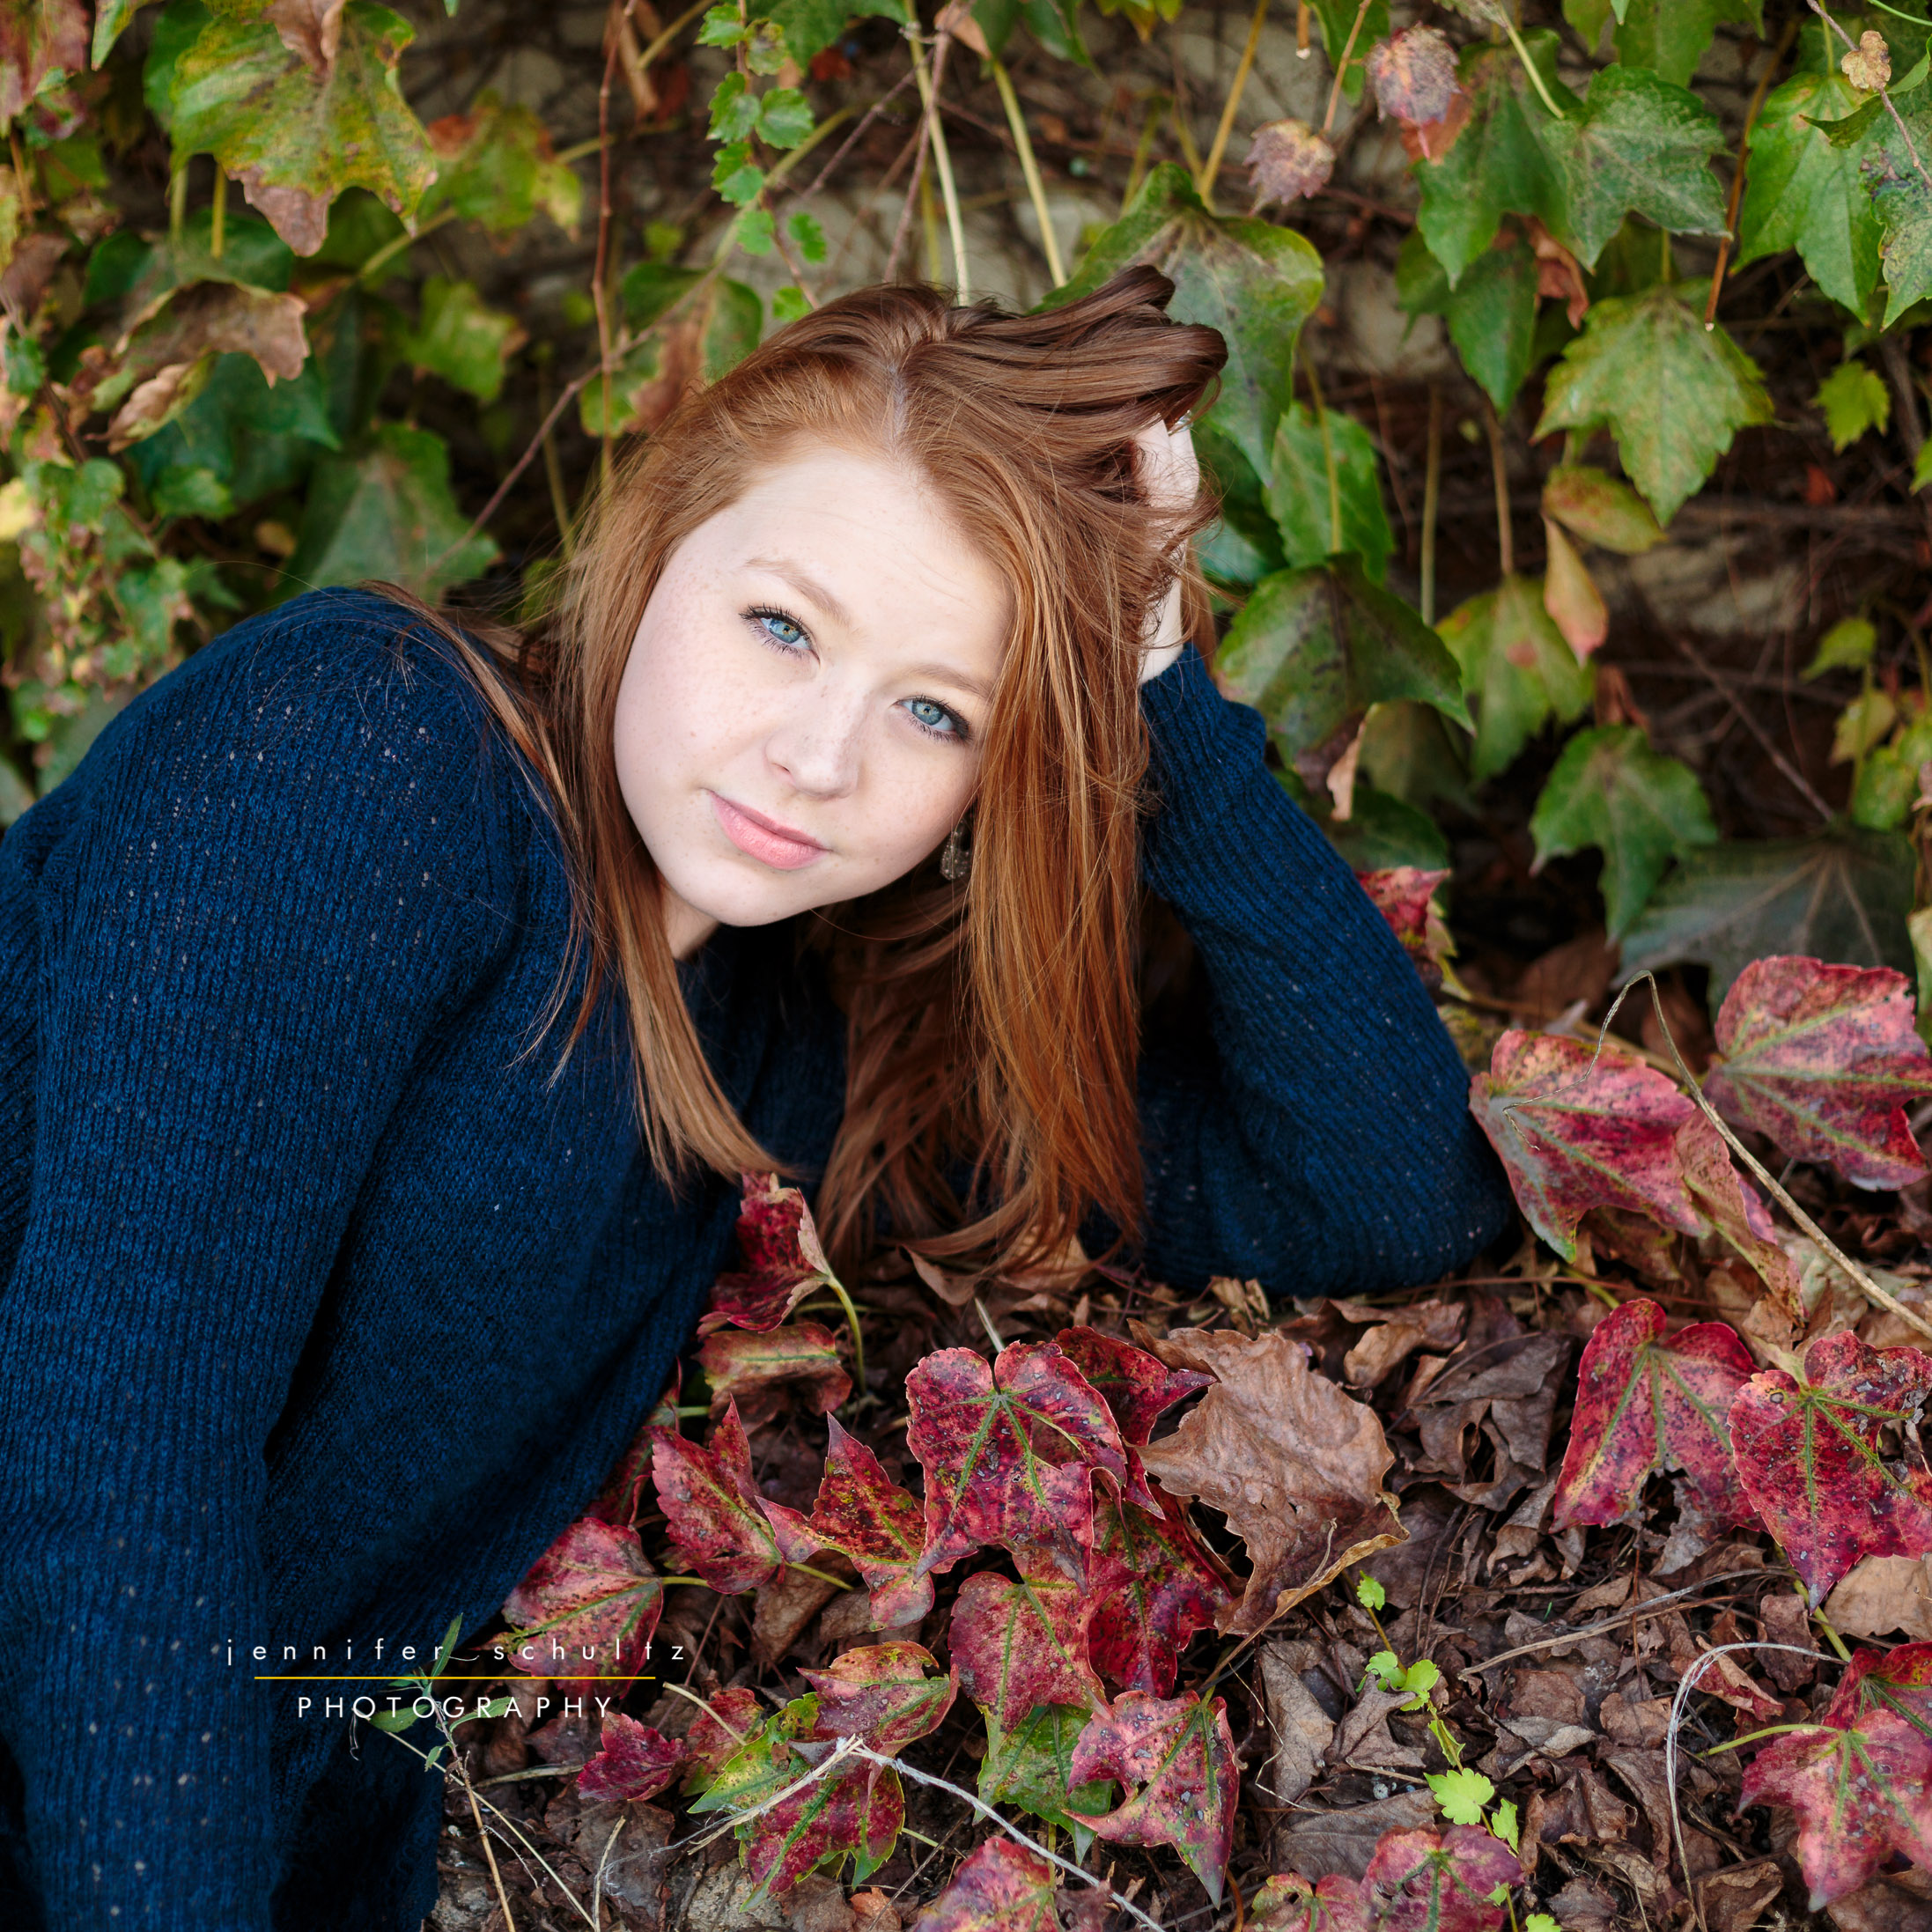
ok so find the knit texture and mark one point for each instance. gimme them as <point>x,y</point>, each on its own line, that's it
<point>330,1307</point>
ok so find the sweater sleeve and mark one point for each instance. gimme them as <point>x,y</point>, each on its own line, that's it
<point>1325,1144</point>
<point>277,880</point>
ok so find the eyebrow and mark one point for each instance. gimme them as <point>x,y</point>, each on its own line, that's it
<point>809,586</point>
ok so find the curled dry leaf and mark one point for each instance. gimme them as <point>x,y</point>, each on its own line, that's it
<point>1823,1060</point>
<point>1868,67</point>
<point>1813,1461</point>
<point>632,1761</point>
<point>1643,1404</point>
<point>1413,74</point>
<point>1295,1464</point>
<point>754,1370</point>
<point>1181,1754</point>
<point>1578,1130</point>
<point>1288,162</point>
<point>783,1261</point>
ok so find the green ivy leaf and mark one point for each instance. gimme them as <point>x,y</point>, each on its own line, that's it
<point>754,231</point>
<point>1669,36</point>
<point>1504,1822</point>
<point>1031,1767</point>
<point>694,326</point>
<point>1846,646</point>
<point>1314,525</point>
<point>387,511</point>
<point>810,25</point>
<point>1491,311</point>
<point>807,236</point>
<point>733,110</point>
<point>1839,895</point>
<point>785,117</point>
<point>1852,130</point>
<point>1903,202</point>
<point>294,137</point>
<point>721,27</point>
<point>1253,282</point>
<point>1312,650</point>
<point>1612,791</point>
<point>1803,192</point>
<point>1336,18</point>
<point>1672,394</point>
<point>460,339</point>
<point>495,166</point>
<point>788,304</point>
<point>1516,668</point>
<point>1854,399</point>
<point>739,180</point>
<point>1637,145</point>
<point>1370,1593</point>
<point>1497,165</point>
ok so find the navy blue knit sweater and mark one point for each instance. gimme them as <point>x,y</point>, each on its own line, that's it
<point>325,1310</point>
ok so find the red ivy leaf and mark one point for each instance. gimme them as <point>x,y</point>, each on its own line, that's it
<point>882,1696</point>
<point>1137,1387</point>
<point>880,1526</point>
<point>1002,1887</point>
<point>1017,1645</point>
<point>1732,1206</point>
<point>1859,1795</point>
<point>1009,1453</point>
<point>720,1731</point>
<point>1288,1903</point>
<point>783,1261</point>
<point>1813,1465</point>
<point>632,1761</point>
<point>753,1370</point>
<point>1644,1404</point>
<point>1402,893</point>
<point>1426,1882</point>
<point>1182,1755</point>
<point>724,1530</point>
<point>1151,1591</point>
<point>587,1608</point>
<point>1823,1060</point>
<point>856,1807</point>
<point>1577,1132</point>
<point>1901,1681</point>
<point>1413,74</point>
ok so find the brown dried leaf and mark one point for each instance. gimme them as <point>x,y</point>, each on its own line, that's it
<point>1881,1594</point>
<point>1301,1728</point>
<point>1295,1465</point>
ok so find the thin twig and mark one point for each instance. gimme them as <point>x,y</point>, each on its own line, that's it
<point>1506,535</point>
<point>1029,166</point>
<point>1865,1283</point>
<point>1778,53</point>
<point>1791,772</point>
<point>599,292</point>
<point>846,147</point>
<point>942,159</point>
<point>1205,184</point>
<point>1341,66</point>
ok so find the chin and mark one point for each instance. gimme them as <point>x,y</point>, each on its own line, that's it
<point>746,902</point>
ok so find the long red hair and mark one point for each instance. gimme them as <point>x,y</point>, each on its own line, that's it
<point>993,1023</point>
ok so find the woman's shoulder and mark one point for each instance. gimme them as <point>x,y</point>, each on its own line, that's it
<point>338,719</point>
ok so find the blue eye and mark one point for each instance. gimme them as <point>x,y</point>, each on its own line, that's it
<point>934,718</point>
<point>781,630</point>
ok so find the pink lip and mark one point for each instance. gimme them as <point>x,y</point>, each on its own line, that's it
<point>764,838</point>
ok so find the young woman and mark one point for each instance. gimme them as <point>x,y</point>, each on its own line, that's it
<point>388,1018</point>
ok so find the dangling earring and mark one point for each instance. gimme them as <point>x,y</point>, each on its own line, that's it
<point>957,859</point>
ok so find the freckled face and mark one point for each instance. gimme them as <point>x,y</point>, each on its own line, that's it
<point>800,718</point>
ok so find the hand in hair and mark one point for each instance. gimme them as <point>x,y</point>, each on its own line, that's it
<point>1170,474</point>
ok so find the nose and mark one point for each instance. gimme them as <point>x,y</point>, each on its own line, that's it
<point>816,744</point>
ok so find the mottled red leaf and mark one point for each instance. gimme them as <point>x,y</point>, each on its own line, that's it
<point>1823,1060</point>
<point>1860,1796</point>
<point>1429,1882</point>
<point>1643,1404</point>
<point>632,1761</point>
<point>1000,1887</point>
<point>1288,1903</point>
<point>1018,1644</point>
<point>1413,74</point>
<point>1138,1388</point>
<point>1814,1463</point>
<point>1900,1680</point>
<point>1287,160</point>
<point>623,1495</point>
<point>880,1526</point>
<point>1402,895</point>
<point>881,1695</point>
<point>726,1532</point>
<point>856,1807</point>
<point>783,1261</point>
<point>587,1608</point>
<point>1009,1453</point>
<point>754,1369</point>
<point>1150,1590</point>
<point>1577,1131</point>
<point>720,1731</point>
<point>1731,1205</point>
<point>1181,1754</point>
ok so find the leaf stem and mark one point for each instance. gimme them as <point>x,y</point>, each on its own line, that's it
<point>1204,183</point>
<point>857,1341</point>
<point>1737,198</point>
<point>822,1576</point>
<point>396,244</point>
<point>1506,535</point>
<point>1341,66</point>
<point>1432,497</point>
<point>1328,457</point>
<point>942,159</point>
<point>1016,121</point>
<point>1531,68</point>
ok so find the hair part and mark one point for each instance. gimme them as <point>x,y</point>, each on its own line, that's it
<point>993,1023</point>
